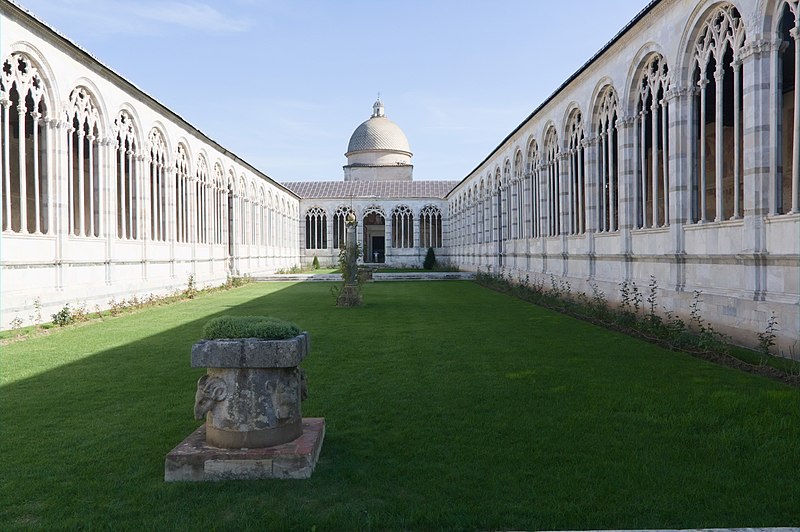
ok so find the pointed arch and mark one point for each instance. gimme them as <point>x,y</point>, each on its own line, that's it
<point>430,226</point>
<point>551,169</point>
<point>534,173</point>
<point>576,179</point>
<point>26,146</point>
<point>157,184</point>
<point>716,69</point>
<point>607,143</point>
<point>785,191</point>
<point>128,194</point>
<point>183,196</point>
<point>402,227</point>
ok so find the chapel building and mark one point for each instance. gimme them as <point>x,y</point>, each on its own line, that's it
<point>670,161</point>
<point>398,218</point>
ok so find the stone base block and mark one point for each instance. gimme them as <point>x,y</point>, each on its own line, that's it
<point>194,460</point>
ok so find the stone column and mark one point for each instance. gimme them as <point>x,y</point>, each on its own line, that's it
<point>625,198</point>
<point>759,146</point>
<point>59,190</point>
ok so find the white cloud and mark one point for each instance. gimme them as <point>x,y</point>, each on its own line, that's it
<point>193,15</point>
<point>145,17</point>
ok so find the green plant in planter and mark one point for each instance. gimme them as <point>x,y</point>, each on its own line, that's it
<point>315,263</point>
<point>263,327</point>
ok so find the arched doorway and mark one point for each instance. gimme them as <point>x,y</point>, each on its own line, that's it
<point>374,235</point>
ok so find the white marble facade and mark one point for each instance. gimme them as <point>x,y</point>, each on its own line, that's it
<point>616,177</point>
<point>674,152</point>
<point>107,194</point>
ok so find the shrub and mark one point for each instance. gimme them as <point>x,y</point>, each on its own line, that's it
<point>430,260</point>
<point>191,288</point>
<point>63,317</point>
<point>315,263</point>
<point>264,327</point>
<point>766,339</point>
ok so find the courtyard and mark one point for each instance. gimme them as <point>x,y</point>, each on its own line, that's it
<point>448,406</point>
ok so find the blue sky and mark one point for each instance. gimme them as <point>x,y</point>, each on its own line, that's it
<point>283,84</point>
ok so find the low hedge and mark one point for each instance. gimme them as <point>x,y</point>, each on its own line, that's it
<point>263,327</point>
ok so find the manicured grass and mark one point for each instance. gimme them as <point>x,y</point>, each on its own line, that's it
<point>448,406</point>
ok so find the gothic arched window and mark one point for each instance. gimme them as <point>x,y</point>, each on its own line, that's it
<point>535,189</point>
<point>786,190</point>
<point>717,186</point>
<point>316,228</point>
<point>430,227</point>
<point>339,229</point>
<point>126,160</point>
<point>158,186</point>
<point>220,213</point>
<point>576,181</point>
<point>84,164</point>
<point>607,162</point>
<point>652,147</point>
<point>402,227</point>
<point>518,197</point>
<point>202,203</point>
<point>552,183</point>
<point>25,147</point>
<point>182,196</point>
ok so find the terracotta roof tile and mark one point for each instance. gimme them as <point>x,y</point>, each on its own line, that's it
<point>371,189</point>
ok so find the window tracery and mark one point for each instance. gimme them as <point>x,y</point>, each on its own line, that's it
<point>219,207</point>
<point>550,168</point>
<point>402,227</point>
<point>202,203</point>
<point>496,216</point>
<point>535,189</point>
<point>262,217</point>
<point>127,192</point>
<point>316,228</point>
<point>786,190</point>
<point>252,206</point>
<point>83,164</point>
<point>651,185</point>
<point>576,178</point>
<point>339,228</point>
<point>25,146</point>
<point>718,76</point>
<point>430,227</point>
<point>182,196</point>
<point>503,204</point>
<point>158,186</point>
<point>518,197</point>
<point>607,162</point>
<point>482,213</point>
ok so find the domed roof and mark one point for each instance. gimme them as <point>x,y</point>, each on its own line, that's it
<point>378,133</point>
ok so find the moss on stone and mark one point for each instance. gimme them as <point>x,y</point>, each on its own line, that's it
<point>263,327</point>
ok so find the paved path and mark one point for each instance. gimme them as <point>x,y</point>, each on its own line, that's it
<point>335,277</point>
<point>775,529</point>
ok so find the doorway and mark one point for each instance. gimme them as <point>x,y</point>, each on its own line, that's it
<point>374,238</point>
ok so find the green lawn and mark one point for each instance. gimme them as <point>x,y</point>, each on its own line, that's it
<point>448,406</point>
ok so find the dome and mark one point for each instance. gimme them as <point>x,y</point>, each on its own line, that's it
<point>378,133</point>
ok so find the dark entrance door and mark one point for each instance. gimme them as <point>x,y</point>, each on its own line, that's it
<point>378,249</point>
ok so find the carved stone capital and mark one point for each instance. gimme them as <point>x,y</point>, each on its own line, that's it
<point>625,122</point>
<point>758,45</point>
